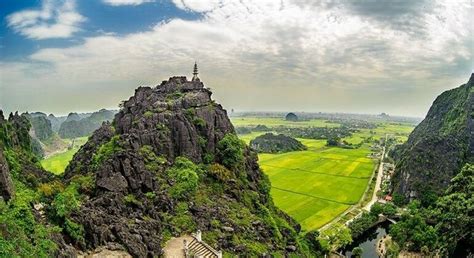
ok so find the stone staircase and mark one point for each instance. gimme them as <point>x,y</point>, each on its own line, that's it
<point>198,248</point>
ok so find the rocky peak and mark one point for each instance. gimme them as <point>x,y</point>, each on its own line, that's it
<point>172,117</point>
<point>133,160</point>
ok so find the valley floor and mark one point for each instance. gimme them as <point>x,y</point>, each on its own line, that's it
<point>57,162</point>
<point>319,184</point>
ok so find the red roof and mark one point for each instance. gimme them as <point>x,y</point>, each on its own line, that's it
<point>388,198</point>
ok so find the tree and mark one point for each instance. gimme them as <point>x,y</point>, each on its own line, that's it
<point>453,211</point>
<point>357,251</point>
<point>184,177</point>
<point>336,237</point>
<point>333,141</point>
<point>230,151</point>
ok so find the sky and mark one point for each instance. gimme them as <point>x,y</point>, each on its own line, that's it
<point>353,56</point>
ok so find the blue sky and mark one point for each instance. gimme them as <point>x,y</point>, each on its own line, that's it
<point>59,56</point>
<point>101,18</point>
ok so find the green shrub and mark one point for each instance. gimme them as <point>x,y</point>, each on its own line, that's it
<point>199,122</point>
<point>20,234</point>
<point>74,230</point>
<point>230,151</point>
<point>130,199</point>
<point>202,142</point>
<point>150,195</point>
<point>51,188</point>
<point>84,183</point>
<point>106,150</point>
<point>174,95</point>
<point>182,221</point>
<point>184,177</point>
<point>153,163</point>
<point>220,172</point>
<point>67,201</point>
<point>208,158</point>
<point>148,114</point>
<point>190,113</point>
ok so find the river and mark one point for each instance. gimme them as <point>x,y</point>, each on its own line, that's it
<point>368,241</point>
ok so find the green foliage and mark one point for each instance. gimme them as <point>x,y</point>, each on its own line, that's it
<point>184,176</point>
<point>75,230</point>
<point>393,249</point>
<point>51,188</point>
<point>148,114</point>
<point>67,201</point>
<point>130,199</point>
<point>357,251</point>
<point>453,212</point>
<point>153,162</point>
<point>20,234</point>
<point>85,183</point>
<point>106,150</point>
<point>230,151</point>
<point>182,221</point>
<point>208,158</point>
<point>399,199</point>
<point>202,142</point>
<point>333,141</point>
<point>220,172</point>
<point>199,122</point>
<point>175,95</point>
<point>359,225</point>
<point>336,237</point>
<point>150,195</point>
<point>412,232</point>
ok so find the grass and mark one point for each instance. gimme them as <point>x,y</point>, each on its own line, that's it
<point>58,162</point>
<point>317,185</point>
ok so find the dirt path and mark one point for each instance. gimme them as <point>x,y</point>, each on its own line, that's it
<point>174,248</point>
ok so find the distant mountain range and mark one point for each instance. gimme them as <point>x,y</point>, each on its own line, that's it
<point>77,125</point>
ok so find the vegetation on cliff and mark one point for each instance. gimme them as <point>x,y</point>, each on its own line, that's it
<point>438,147</point>
<point>271,143</point>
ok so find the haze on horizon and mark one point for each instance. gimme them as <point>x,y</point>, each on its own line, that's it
<point>59,56</point>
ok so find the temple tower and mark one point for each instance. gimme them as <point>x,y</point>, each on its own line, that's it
<point>195,73</point>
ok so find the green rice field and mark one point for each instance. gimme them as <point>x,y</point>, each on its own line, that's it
<point>317,185</point>
<point>58,162</point>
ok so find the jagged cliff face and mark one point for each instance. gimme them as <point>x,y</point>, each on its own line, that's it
<point>438,147</point>
<point>6,184</point>
<point>138,202</point>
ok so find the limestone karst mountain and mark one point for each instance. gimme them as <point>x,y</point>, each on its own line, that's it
<point>83,125</point>
<point>438,147</point>
<point>169,164</point>
<point>276,143</point>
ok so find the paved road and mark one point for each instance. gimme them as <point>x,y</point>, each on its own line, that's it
<point>378,182</point>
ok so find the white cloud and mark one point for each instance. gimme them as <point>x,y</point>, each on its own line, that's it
<point>126,2</point>
<point>197,5</point>
<point>55,19</point>
<point>263,55</point>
